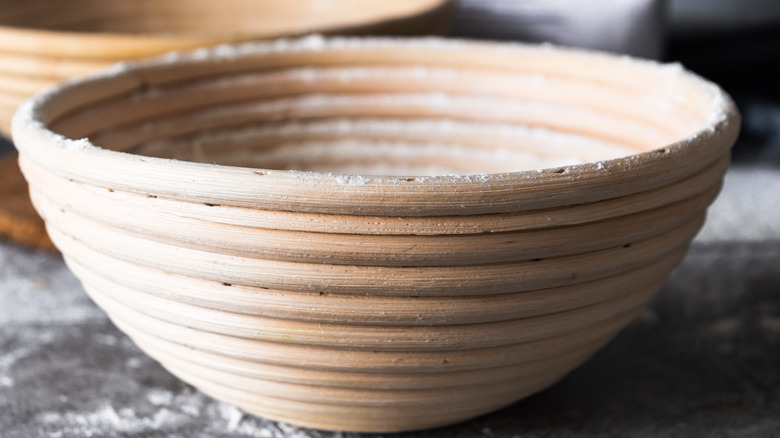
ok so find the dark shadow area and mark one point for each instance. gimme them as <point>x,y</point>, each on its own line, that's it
<point>744,62</point>
<point>6,147</point>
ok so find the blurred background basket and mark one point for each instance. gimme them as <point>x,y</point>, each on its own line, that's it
<point>43,42</point>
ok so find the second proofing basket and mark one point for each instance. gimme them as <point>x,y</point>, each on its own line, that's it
<point>43,42</point>
<point>464,225</point>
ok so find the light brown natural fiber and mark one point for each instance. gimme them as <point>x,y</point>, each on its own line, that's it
<point>43,42</point>
<point>375,235</point>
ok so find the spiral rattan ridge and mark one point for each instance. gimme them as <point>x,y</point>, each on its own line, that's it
<point>464,223</point>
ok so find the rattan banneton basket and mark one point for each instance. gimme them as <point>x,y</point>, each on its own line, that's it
<point>464,223</point>
<point>43,42</point>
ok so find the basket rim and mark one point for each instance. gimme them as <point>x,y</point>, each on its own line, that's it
<point>478,193</point>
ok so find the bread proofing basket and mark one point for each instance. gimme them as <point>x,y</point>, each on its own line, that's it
<point>43,42</point>
<point>464,225</point>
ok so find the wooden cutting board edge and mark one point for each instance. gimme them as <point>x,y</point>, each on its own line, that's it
<point>19,222</point>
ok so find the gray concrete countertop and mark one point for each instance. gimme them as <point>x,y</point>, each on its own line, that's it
<point>702,360</point>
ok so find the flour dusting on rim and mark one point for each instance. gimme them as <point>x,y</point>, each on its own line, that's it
<point>28,116</point>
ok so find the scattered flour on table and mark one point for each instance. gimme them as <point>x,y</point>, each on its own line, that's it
<point>747,208</point>
<point>38,288</point>
<point>106,421</point>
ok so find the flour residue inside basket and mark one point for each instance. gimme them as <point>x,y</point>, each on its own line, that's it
<point>405,121</point>
<point>388,147</point>
<point>398,120</point>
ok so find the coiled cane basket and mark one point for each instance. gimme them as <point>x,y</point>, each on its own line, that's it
<point>375,234</point>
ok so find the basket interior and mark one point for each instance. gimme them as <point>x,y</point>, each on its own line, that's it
<point>397,112</point>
